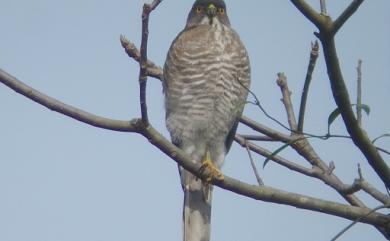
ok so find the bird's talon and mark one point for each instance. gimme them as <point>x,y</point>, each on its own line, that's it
<point>212,172</point>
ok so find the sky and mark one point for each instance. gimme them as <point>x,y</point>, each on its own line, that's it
<point>62,180</point>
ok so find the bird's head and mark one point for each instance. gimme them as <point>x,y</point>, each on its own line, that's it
<point>208,12</point>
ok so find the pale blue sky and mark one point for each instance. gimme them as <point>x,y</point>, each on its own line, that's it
<point>61,180</point>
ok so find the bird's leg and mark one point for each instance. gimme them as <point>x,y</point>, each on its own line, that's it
<point>212,172</point>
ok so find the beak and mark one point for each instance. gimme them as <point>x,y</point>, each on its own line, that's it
<point>211,10</point>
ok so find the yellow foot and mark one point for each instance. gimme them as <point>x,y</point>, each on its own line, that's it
<point>211,170</point>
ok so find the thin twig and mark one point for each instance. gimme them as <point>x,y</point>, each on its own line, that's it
<point>143,73</point>
<point>258,178</point>
<point>152,69</point>
<point>286,93</point>
<point>310,68</point>
<point>258,104</point>
<point>277,159</point>
<point>358,220</point>
<point>256,137</point>
<point>323,7</point>
<point>359,92</point>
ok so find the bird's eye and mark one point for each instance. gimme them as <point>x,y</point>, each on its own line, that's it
<point>221,11</point>
<point>198,9</point>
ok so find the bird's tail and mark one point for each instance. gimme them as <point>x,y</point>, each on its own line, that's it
<point>196,208</point>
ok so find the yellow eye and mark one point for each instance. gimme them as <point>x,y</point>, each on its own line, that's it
<point>198,9</point>
<point>221,11</point>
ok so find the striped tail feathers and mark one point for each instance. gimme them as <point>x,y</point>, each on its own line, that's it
<point>196,208</point>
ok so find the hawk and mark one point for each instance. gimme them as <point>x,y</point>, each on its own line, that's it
<point>206,82</point>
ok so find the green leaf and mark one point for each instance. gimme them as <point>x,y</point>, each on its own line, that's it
<point>276,152</point>
<point>332,117</point>
<point>364,107</point>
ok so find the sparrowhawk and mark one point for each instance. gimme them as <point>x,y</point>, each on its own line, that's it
<point>206,82</point>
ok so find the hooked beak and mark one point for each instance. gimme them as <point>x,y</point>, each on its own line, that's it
<point>211,11</point>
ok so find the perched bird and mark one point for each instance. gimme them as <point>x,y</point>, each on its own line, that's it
<point>206,82</point>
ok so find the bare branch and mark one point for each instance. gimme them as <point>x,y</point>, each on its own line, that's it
<point>147,9</point>
<point>286,93</point>
<point>258,178</point>
<point>277,159</point>
<point>309,12</point>
<point>256,137</point>
<point>375,193</point>
<point>152,69</point>
<point>310,68</point>
<point>264,193</point>
<point>265,130</point>
<point>62,108</point>
<point>340,93</point>
<point>358,220</point>
<point>348,12</point>
<point>341,96</point>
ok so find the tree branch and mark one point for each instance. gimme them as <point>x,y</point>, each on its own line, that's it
<point>340,93</point>
<point>143,73</point>
<point>309,12</point>
<point>346,14</point>
<point>265,130</point>
<point>277,159</point>
<point>152,69</point>
<point>286,93</point>
<point>341,96</point>
<point>310,68</point>
<point>62,108</point>
<point>253,164</point>
<point>265,193</point>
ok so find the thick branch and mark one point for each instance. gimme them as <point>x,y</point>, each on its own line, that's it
<point>265,193</point>
<point>316,18</point>
<point>348,12</point>
<point>62,108</point>
<point>341,97</point>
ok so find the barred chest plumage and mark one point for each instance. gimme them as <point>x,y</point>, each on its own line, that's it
<point>205,73</point>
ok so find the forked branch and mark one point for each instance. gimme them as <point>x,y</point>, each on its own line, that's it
<point>327,30</point>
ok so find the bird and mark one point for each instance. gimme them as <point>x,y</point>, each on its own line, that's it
<point>206,80</point>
